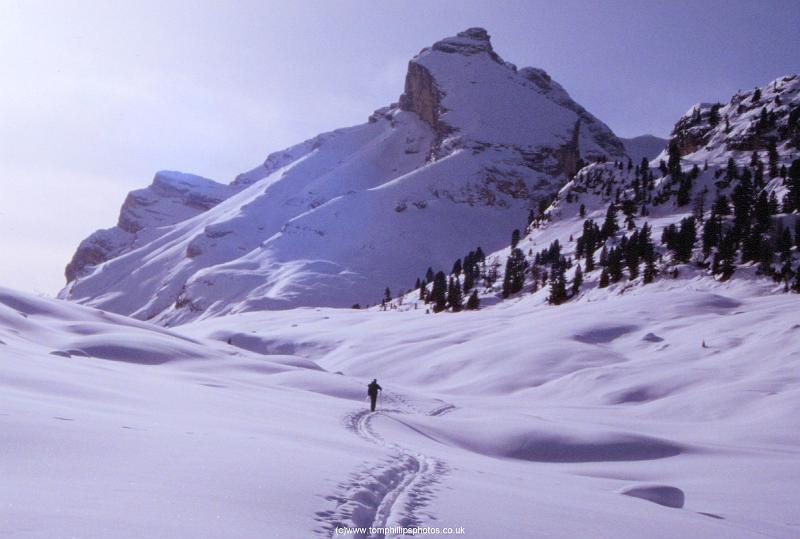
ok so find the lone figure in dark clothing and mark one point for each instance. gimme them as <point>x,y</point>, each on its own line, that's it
<point>372,391</point>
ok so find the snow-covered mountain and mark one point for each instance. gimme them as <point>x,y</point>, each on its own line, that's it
<point>644,147</point>
<point>628,366</point>
<point>472,145</point>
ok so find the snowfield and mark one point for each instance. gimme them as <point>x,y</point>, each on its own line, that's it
<point>667,410</point>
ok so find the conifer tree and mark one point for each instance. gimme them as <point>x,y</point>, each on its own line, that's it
<point>454,295</point>
<point>713,114</point>
<point>742,207</point>
<point>603,279</point>
<point>429,275</point>
<point>514,277</point>
<point>630,253</point>
<point>699,210</point>
<point>439,292</point>
<point>469,281</point>
<point>785,275</point>
<point>649,268</point>
<point>731,172</point>
<point>774,207</point>
<point>765,256</point>
<point>711,233</point>
<point>610,226</point>
<point>724,260</point>
<point>772,158</point>
<point>577,280</point>
<point>721,206</point>
<point>558,285</point>
<point>687,236</point>
<point>615,264</point>
<point>604,256</point>
<point>674,159</point>
<point>473,302</point>
<point>784,246</point>
<point>761,213</point>
<point>514,238</point>
<point>751,245</point>
<point>645,241</point>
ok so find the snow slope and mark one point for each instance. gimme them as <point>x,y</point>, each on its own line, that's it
<point>603,418</point>
<point>471,146</point>
<point>689,405</point>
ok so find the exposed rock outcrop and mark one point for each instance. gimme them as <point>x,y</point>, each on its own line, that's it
<point>421,95</point>
<point>751,121</point>
<point>171,198</point>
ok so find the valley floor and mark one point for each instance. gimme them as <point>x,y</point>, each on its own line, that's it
<point>670,410</point>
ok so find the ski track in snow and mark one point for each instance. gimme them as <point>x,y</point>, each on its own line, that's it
<point>391,492</point>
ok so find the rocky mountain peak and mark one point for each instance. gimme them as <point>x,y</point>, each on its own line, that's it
<point>422,94</point>
<point>468,42</point>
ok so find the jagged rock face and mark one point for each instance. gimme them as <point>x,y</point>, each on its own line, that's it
<point>421,95</point>
<point>471,146</point>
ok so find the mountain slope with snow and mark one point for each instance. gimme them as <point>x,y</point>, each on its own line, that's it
<point>722,202</point>
<point>472,145</point>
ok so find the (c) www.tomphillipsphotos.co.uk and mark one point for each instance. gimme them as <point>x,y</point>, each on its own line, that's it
<point>400,530</point>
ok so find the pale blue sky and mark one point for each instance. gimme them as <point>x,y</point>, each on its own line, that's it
<point>98,95</point>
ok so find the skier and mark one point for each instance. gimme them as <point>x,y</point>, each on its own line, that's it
<point>372,391</point>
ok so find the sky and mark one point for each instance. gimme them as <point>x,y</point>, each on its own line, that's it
<point>96,96</point>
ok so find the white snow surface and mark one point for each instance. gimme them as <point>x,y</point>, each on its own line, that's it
<point>335,219</point>
<point>666,411</point>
